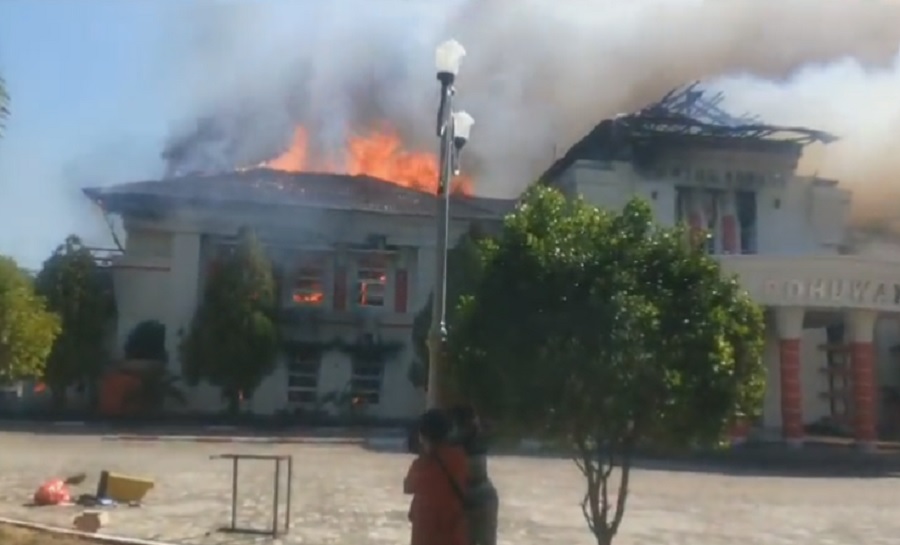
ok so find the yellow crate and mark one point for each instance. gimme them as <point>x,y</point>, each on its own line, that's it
<point>123,488</point>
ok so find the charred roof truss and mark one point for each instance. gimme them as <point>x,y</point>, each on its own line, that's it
<point>689,111</point>
<point>684,113</point>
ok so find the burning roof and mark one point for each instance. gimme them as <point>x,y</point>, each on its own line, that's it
<point>374,172</point>
<point>685,113</point>
<point>266,188</point>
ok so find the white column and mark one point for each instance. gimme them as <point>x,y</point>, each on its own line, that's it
<point>861,325</point>
<point>789,322</point>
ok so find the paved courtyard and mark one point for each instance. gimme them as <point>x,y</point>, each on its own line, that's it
<point>343,494</point>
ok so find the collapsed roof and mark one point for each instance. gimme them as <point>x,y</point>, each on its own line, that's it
<point>685,113</point>
<point>265,188</point>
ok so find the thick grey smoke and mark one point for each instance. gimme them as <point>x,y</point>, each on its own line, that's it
<point>538,75</point>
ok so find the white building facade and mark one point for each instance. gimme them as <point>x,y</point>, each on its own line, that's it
<point>356,258</point>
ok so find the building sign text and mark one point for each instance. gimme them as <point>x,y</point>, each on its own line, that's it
<point>834,292</point>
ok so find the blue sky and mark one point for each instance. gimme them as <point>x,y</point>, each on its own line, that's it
<point>97,85</point>
<point>87,106</point>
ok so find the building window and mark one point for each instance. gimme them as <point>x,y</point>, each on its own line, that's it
<point>307,286</point>
<point>728,218</point>
<point>681,205</point>
<point>711,208</point>
<point>701,210</point>
<point>746,216</point>
<point>224,250</point>
<point>371,283</point>
<point>303,379</point>
<point>365,382</point>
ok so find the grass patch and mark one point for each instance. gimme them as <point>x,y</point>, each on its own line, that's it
<point>12,535</point>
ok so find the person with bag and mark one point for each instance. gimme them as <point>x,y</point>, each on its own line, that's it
<point>482,502</point>
<point>437,482</point>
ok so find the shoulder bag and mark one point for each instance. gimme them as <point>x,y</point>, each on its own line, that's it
<point>460,495</point>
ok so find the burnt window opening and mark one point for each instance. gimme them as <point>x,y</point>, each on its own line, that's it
<point>746,216</point>
<point>307,286</point>
<point>371,284</point>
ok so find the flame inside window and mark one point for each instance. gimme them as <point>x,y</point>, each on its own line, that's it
<point>308,287</point>
<point>372,285</point>
<point>304,298</point>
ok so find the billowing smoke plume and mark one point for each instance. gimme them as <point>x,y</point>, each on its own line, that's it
<point>538,75</point>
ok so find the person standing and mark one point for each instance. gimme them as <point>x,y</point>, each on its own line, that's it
<point>437,481</point>
<point>483,502</point>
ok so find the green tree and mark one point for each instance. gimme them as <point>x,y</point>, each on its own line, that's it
<point>81,294</point>
<point>27,328</point>
<point>233,340</point>
<point>464,266</point>
<point>4,105</point>
<point>605,331</point>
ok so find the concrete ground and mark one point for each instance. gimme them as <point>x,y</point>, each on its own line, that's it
<point>19,536</point>
<point>344,494</point>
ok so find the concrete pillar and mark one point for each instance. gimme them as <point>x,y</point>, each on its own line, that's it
<point>862,364</point>
<point>789,323</point>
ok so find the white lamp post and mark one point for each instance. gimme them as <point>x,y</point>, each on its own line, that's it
<point>453,129</point>
<point>447,58</point>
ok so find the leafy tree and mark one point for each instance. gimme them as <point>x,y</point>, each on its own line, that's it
<point>233,341</point>
<point>27,329</point>
<point>81,293</point>
<point>463,269</point>
<point>604,331</point>
<point>4,105</point>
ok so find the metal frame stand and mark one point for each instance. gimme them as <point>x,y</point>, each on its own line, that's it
<point>276,500</point>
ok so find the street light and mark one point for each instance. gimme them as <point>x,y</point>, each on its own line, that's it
<point>453,129</point>
<point>447,58</point>
<point>462,128</point>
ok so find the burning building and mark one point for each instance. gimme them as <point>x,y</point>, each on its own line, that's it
<point>355,253</point>
<point>831,305</point>
<point>358,251</point>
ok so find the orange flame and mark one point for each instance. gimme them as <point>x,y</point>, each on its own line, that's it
<point>315,298</point>
<point>294,158</point>
<point>379,154</point>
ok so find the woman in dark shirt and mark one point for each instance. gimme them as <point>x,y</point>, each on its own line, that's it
<point>483,502</point>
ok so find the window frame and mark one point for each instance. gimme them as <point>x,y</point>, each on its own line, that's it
<point>379,270</point>
<point>747,216</point>
<point>303,368</point>
<point>315,274</point>
<point>366,385</point>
